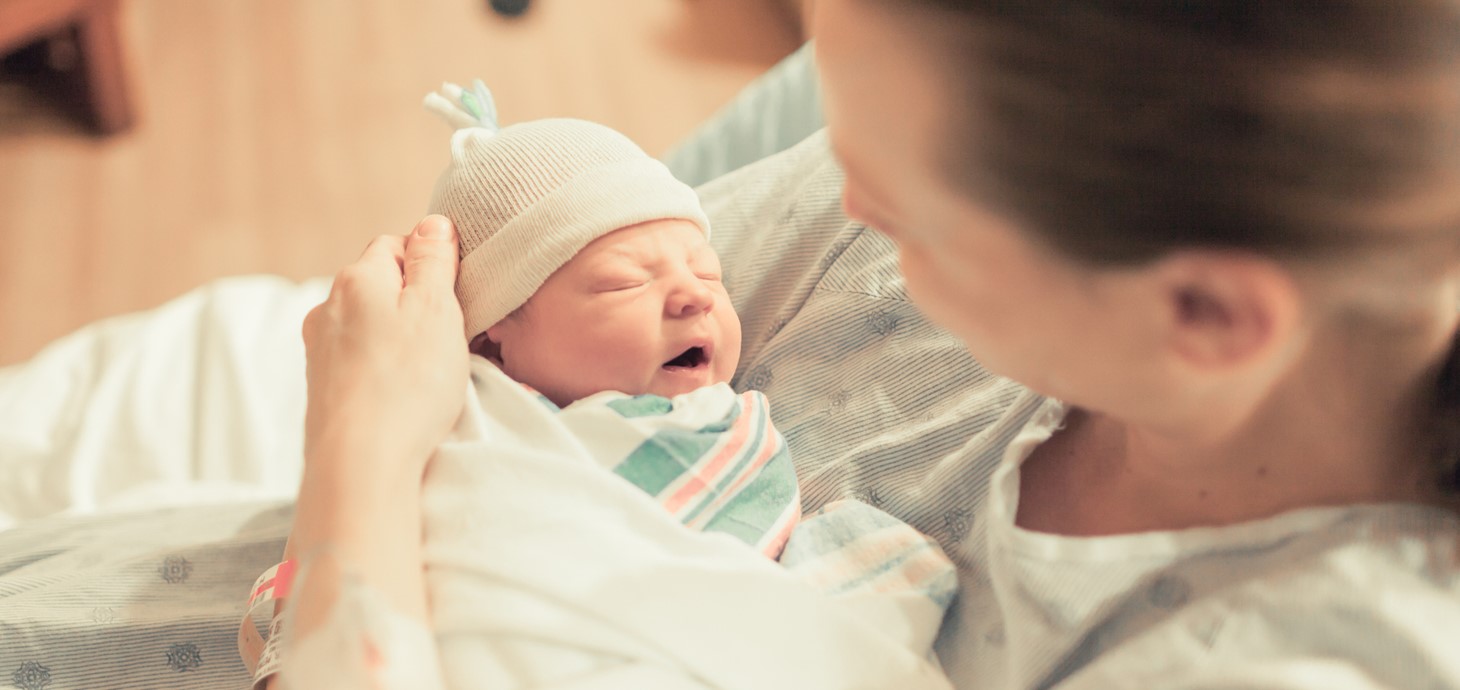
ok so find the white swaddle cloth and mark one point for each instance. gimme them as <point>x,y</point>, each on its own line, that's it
<point>545,569</point>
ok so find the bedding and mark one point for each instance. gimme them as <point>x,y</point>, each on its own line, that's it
<point>868,394</point>
<point>132,599</point>
<point>199,400</point>
<point>148,455</point>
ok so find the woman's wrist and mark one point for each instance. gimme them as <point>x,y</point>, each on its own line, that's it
<point>386,367</point>
<point>350,491</point>
<point>362,516</point>
<point>369,456</point>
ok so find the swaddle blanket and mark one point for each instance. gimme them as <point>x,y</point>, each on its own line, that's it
<point>546,568</point>
<point>713,461</point>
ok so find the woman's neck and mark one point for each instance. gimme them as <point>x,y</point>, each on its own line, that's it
<point>1338,429</point>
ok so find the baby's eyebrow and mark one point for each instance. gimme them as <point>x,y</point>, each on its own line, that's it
<point>620,252</point>
<point>616,263</point>
<point>619,256</point>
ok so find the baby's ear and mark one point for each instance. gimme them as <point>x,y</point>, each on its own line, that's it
<point>485,347</point>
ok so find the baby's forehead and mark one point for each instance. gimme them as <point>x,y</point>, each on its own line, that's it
<point>652,243</point>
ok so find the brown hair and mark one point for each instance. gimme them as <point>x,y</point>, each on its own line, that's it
<point>1118,131</point>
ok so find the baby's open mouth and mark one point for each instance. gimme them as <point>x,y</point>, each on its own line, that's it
<point>689,359</point>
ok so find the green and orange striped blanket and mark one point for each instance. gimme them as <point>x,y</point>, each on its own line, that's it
<point>714,460</point>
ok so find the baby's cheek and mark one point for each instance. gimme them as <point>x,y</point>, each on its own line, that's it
<point>724,368</point>
<point>729,356</point>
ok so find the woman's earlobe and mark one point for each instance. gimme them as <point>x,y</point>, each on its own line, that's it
<point>1204,329</point>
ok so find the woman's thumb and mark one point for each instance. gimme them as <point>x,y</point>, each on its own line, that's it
<point>431,255</point>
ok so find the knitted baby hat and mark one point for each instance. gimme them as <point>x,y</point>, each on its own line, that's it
<point>526,198</point>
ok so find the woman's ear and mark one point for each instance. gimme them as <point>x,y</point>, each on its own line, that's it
<point>1227,309</point>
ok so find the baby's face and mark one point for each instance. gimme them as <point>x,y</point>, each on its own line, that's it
<point>640,310</point>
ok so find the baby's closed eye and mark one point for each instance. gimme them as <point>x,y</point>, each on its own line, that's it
<point>706,266</point>
<point>619,283</point>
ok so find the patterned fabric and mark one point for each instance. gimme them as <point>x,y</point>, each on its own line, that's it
<point>874,400</point>
<point>733,475</point>
<point>132,600</point>
<point>1362,596</point>
<point>775,112</point>
<point>849,546</point>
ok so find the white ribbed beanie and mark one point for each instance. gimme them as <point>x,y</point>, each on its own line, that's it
<point>526,198</point>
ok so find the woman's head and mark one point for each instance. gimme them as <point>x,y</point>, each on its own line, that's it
<point>1120,131</point>
<point>1152,208</point>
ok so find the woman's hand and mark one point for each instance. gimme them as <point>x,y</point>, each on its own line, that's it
<point>387,369</point>
<point>386,356</point>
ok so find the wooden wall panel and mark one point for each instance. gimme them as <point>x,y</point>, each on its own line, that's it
<point>278,136</point>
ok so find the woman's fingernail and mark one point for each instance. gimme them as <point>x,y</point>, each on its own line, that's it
<point>433,229</point>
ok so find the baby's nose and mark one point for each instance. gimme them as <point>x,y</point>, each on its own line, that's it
<point>691,298</point>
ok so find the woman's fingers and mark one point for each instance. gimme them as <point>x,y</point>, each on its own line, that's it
<point>383,258</point>
<point>385,357</point>
<point>431,257</point>
<point>375,278</point>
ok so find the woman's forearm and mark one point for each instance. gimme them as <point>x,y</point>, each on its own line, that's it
<point>386,366</point>
<point>352,522</point>
<point>356,522</point>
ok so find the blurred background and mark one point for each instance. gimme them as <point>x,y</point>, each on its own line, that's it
<point>148,146</point>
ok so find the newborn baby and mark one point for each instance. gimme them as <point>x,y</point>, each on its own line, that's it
<point>586,270</point>
<point>607,510</point>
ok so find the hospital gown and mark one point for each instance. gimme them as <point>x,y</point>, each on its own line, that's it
<point>1332,598</point>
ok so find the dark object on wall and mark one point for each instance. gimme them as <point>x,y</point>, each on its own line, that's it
<point>510,8</point>
<point>80,41</point>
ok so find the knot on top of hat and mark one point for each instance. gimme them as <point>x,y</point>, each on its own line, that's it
<point>462,109</point>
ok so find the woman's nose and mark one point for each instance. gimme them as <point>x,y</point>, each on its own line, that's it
<point>691,297</point>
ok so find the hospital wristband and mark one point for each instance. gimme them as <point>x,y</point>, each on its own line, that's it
<point>261,656</point>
